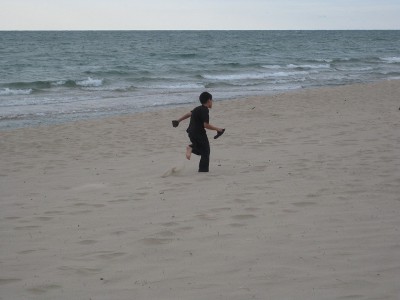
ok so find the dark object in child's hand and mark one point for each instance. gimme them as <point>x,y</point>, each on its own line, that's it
<point>219,133</point>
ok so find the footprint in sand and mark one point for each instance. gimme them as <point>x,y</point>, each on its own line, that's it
<point>12,218</point>
<point>207,217</point>
<point>89,187</point>
<point>220,209</point>
<point>53,212</point>
<point>122,200</point>
<point>170,224</point>
<point>118,232</point>
<point>290,211</point>
<point>111,255</point>
<point>166,233</point>
<point>237,225</point>
<point>175,171</point>
<point>80,270</point>
<point>244,217</point>
<point>252,209</point>
<point>42,289</point>
<point>28,227</point>
<point>44,218</point>
<point>80,212</point>
<point>156,241</point>
<point>9,280</point>
<point>303,204</point>
<point>87,242</point>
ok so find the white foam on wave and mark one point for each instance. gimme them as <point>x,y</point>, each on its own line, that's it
<point>319,66</point>
<point>287,74</point>
<point>245,76</point>
<point>391,60</point>
<point>178,86</point>
<point>273,67</point>
<point>10,92</point>
<point>58,83</point>
<point>90,82</point>
<point>287,87</point>
<point>354,69</point>
<point>327,60</point>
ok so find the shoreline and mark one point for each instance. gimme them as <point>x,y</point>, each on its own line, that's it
<point>302,201</point>
<point>178,107</point>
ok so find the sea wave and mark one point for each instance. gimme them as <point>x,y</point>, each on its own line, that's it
<point>11,92</point>
<point>327,60</point>
<point>173,86</point>
<point>26,88</point>
<point>70,83</point>
<point>389,73</point>
<point>252,76</point>
<point>354,69</point>
<point>287,87</point>
<point>186,55</point>
<point>342,60</point>
<point>12,117</point>
<point>391,60</point>
<point>319,66</point>
<point>232,84</point>
<point>273,67</point>
<point>34,85</point>
<point>300,66</point>
<point>90,82</point>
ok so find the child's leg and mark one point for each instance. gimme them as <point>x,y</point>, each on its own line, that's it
<point>205,155</point>
<point>188,151</point>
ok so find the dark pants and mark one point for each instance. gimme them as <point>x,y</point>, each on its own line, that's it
<point>201,146</point>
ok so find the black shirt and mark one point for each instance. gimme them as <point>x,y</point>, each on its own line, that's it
<point>199,116</point>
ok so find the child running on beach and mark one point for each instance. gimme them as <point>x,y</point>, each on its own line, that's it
<point>199,120</point>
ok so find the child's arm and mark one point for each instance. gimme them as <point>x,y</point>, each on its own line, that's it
<point>185,116</point>
<point>220,131</point>
<point>212,127</point>
<point>175,123</point>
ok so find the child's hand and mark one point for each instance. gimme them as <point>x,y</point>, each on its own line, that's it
<point>219,133</point>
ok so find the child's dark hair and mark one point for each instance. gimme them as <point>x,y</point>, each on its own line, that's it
<point>204,97</point>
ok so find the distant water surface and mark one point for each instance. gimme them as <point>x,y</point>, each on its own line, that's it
<point>61,76</point>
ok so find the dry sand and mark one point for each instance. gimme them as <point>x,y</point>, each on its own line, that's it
<point>302,202</point>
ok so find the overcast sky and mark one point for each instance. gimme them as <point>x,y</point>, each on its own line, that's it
<point>198,14</point>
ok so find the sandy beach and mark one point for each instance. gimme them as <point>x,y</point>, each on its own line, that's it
<point>302,202</point>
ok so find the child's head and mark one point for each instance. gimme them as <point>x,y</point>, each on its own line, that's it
<point>204,97</point>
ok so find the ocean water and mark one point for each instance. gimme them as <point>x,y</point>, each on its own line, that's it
<point>62,76</point>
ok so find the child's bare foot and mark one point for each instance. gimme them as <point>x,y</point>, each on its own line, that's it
<point>188,152</point>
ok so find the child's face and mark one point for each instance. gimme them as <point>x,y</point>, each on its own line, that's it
<point>209,103</point>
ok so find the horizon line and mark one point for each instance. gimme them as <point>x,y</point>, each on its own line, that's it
<point>382,29</point>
